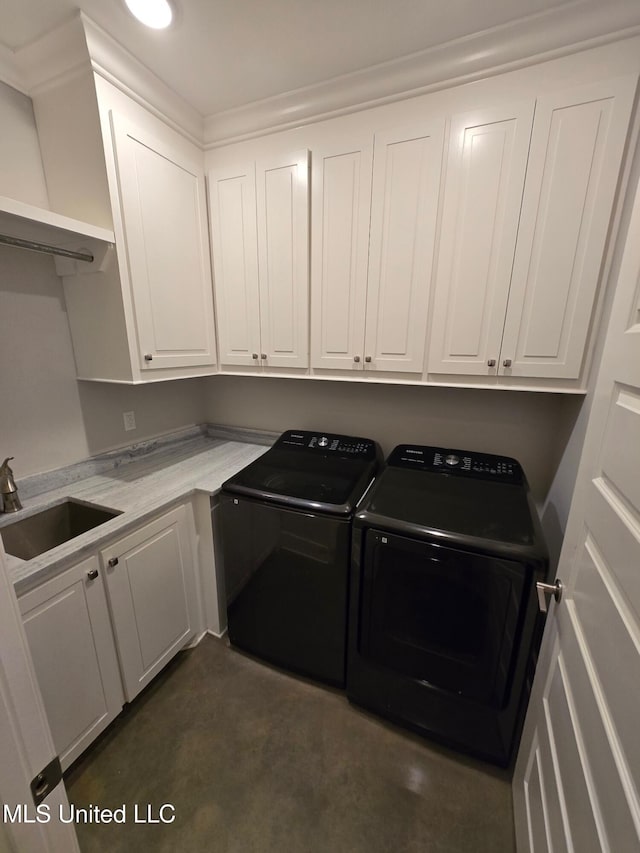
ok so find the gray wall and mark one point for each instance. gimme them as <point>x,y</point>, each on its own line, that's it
<point>48,418</point>
<point>529,426</point>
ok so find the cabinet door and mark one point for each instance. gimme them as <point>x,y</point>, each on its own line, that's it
<point>404,205</point>
<point>234,240</point>
<point>341,205</point>
<point>576,150</point>
<point>151,586</point>
<point>282,190</point>
<point>483,193</point>
<point>162,195</point>
<point>67,624</point>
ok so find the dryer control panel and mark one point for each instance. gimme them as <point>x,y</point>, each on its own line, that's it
<point>464,463</point>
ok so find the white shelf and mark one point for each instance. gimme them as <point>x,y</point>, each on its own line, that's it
<point>26,222</point>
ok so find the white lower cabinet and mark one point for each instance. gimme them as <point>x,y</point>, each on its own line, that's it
<point>150,579</point>
<point>102,629</point>
<point>66,620</point>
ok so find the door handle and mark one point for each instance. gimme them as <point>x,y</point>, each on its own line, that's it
<point>543,590</point>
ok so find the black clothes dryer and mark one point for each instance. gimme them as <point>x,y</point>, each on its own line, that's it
<point>447,549</point>
<point>286,544</point>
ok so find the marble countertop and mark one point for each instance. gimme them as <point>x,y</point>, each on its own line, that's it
<point>138,482</point>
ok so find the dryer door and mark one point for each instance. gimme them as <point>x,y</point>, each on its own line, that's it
<point>448,618</point>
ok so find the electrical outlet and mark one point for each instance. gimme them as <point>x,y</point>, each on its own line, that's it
<point>129,419</point>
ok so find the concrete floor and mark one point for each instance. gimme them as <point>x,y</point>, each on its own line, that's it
<point>253,759</point>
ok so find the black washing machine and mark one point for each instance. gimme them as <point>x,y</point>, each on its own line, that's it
<point>286,543</point>
<point>444,620</point>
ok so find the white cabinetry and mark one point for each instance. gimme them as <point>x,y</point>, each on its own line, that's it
<point>483,192</point>
<point>260,240</point>
<point>576,149</point>
<point>150,577</point>
<point>148,315</point>
<point>519,265</point>
<point>67,625</point>
<point>162,198</point>
<point>373,232</point>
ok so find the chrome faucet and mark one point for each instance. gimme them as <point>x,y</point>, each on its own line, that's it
<point>8,488</point>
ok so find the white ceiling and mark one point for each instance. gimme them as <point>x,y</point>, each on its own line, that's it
<point>225,53</point>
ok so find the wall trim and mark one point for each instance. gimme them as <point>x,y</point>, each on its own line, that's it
<point>80,45</point>
<point>80,42</point>
<point>568,29</point>
<point>121,68</point>
<point>57,55</point>
<point>9,72</point>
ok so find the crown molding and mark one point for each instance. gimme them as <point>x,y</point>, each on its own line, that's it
<point>80,45</point>
<point>557,32</point>
<point>121,68</point>
<point>56,55</point>
<point>9,72</point>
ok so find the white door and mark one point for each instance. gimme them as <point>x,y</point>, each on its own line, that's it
<point>67,623</point>
<point>282,194</point>
<point>341,181</point>
<point>576,150</point>
<point>234,244</point>
<point>577,778</point>
<point>162,195</point>
<point>26,745</point>
<point>151,586</point>
<point>407,165</point>
<point>483,192</point>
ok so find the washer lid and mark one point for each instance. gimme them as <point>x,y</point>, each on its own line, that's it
<point>301,473</point>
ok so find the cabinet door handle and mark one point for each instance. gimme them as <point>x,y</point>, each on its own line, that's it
<point>92,574</point>
<point>263,355</point>
<point>113,562</point>
<point>367,358</point>
<point>148,357</point>
<point>492,362</point>
<point>356,358</point>
<point>255,355</point>
<point>506,362</point>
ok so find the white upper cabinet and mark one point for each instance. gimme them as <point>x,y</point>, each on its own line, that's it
<point>146,313</point>
<point>341,209</point>
<point>162,197</point>
<point>576,150</point>
<point>282,198</point>
<point>260,241</point>
<point>404,206</point>
<point>485,176</point>
<point>374,224</point>
<point>234,242</point>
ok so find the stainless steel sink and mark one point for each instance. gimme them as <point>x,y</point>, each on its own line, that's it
<point>28,537</point>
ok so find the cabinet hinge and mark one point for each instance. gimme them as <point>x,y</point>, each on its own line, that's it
<point>46,781</point>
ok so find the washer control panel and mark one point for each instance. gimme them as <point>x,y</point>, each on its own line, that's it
<point>459,462</point>
<point>342,445</point>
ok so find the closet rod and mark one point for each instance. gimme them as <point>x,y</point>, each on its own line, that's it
<point>45,248</point>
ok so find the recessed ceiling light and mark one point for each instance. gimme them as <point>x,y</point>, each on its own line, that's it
<point>153,13</point>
